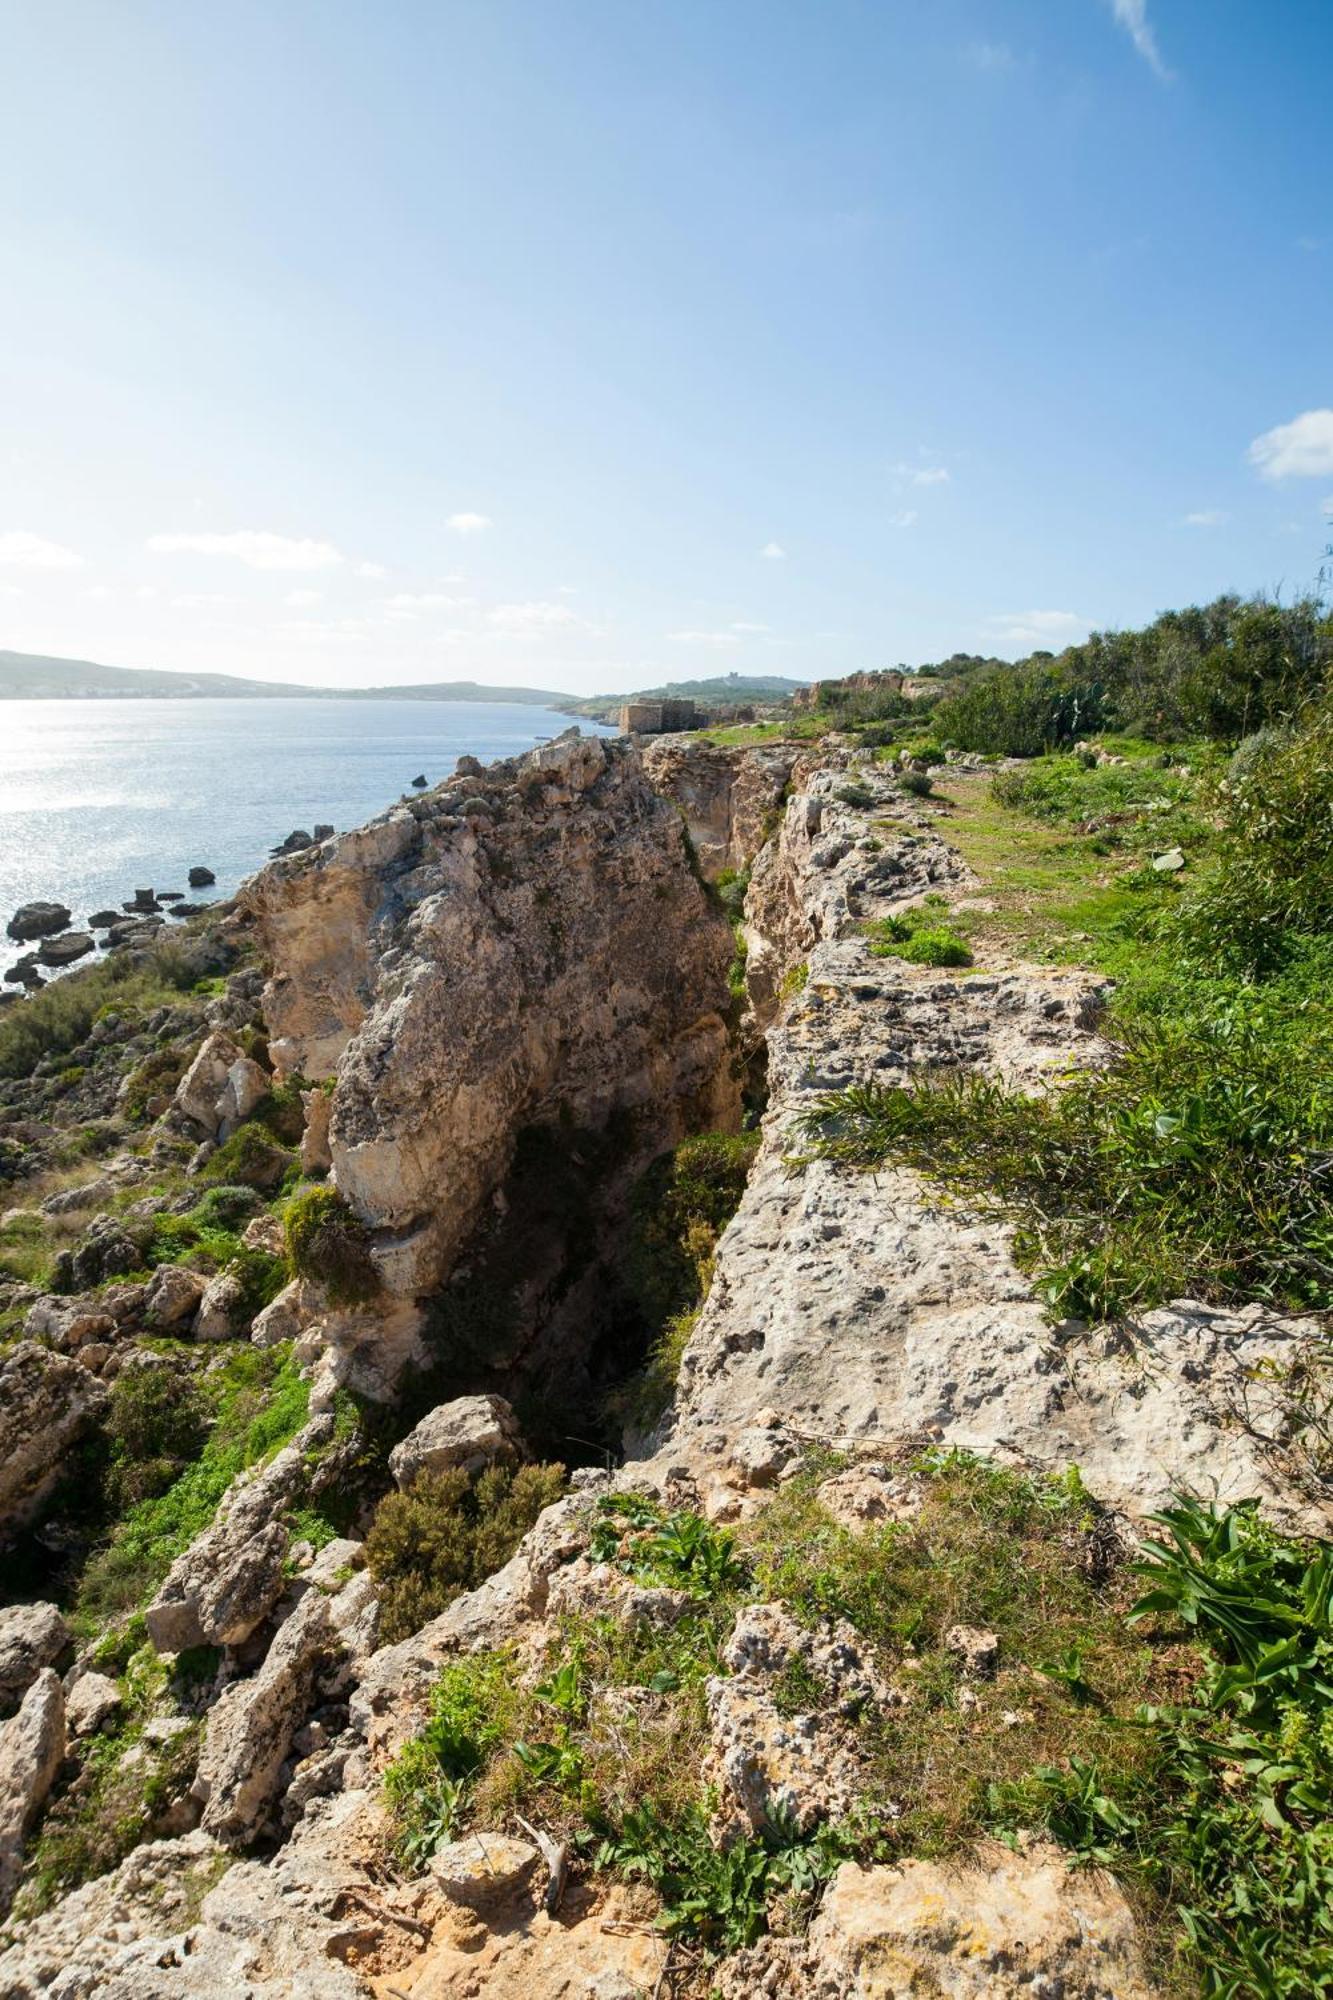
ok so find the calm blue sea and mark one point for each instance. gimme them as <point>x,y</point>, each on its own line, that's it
<point>99,798</point>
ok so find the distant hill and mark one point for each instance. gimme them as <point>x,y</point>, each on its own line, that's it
<point>719,692</point>
<point>36,677</point>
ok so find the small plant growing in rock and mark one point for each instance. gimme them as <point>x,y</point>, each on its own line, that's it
<point>326,1242</point>
<point>918,783</point>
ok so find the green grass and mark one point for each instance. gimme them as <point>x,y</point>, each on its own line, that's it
<point>259,1403</point>
<point>921,937</point>
<point>62,1014</point>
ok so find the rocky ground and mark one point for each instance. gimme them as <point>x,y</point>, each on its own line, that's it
<point>298,1174</point>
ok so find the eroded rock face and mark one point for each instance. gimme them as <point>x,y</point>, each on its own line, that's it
<point>860,1307</point>
<point>1014,1926</point>
<point>46,1403</point>
<point>499,950</point>
<point>32,1744</point>
<point>730,799</point>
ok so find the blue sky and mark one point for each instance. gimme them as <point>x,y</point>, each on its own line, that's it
<point>584,345</point>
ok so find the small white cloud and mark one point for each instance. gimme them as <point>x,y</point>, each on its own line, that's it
<point>566,590</point>
<point>534,617</point>
<point>147,592</point>
<point>200,600</point>
<point>728,638</point>
<point>744,625</point>
<point>252,547</point>
<point>994,56</point>
<point>922,475</point>
<point>773,552</point>
<point>1036,628</point>
<point>300,600</point>
<point>425,600</point>
<point>906,519</point>
<point>470,524</point>
<point>97,592</point>
<point>1133,18</point>
<point>1302,449</point>
<point>373,572</point>
<point>1207,517</point>
<point>22,550</point>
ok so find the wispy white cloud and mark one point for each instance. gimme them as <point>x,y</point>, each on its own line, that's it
<point>1133,18</point>
<point>538,616</point>
<point>1207,517</point>
<point>726,638</point>
<point>907,518</point>
<point>425,600</point>
<point>746,625</point>
<point>1035,628</point>
<point>253,547</point>
<point>991,56</point>
<point>301,599</point>
<point>922,475</point>
<point>773,552</point>
<point>1302,449</point>
<point>373,572</point>
<point>470,524</point>
<point>22,550</point>
<point>200,600</point>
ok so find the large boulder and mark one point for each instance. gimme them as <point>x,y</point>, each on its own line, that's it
<point>1007,1927</point>
<point>47,1402</point>
<point>469,1434</point>
<point>32,1636</point>
<point>221,1308</point>
<point>231,1576</point>
<point>105,1250</point>
<point>32,1748</point>
<point>37,920</point>
<point>173,1297</point>
<point>58,951</point>
<point>199,1094</point>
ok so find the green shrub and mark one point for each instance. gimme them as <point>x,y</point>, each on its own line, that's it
<point>473,1709</point>
<point>325,1241</point>
<point>919,783</point>
<point>447,1534</point>
<point>61,1015</point>
<point>157,1422</point>
<point>919,937</point>
<point>731,887</point>
<point>1230,1820</point>
<point>677,1212</point>
<point>226,1207</point>
<point>252,1157</point>
<point>1021,711</point>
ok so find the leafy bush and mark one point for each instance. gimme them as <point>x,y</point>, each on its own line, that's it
<point>226,1207</point>
<point>1021,711</point>
<point>681,1549</point>
<point>61,1015</point>
<point>679,1209</point>
<point>157,1423</point>
<point>252,1157</point>
<point>920,784</point>
<point>447,1534</point>
<point>920,937</point>
<point>1232,1819</point>
<point>325,1241</point>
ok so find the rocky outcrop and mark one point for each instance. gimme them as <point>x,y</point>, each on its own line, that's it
<point>221,1087</point>
<point>231,1576</point>
<point>37,920</point>
<point>467,1434</point>
<point>32,1636</point>
<point>501,951</point>
<point>730,800</point>
<point>863,1308</point>
<point>32,1744</point>
<point>1009,1927</point>
<point>46,1403</point>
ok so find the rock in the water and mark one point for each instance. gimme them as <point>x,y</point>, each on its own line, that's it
<point>46,1403</point>
<point>173,1297</point>
<point>32,1747</point>
<point>37,920</point>
<point>1010,1927</point>
<point>64,950</point>
<point>324,829</point>
<point>469,1433</point>
<point>32,1636</point>
<point>103,920</point>
<point>293,844</point>
<point>201,878</point>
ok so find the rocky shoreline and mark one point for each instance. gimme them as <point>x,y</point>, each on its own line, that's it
<point>389,1159</point>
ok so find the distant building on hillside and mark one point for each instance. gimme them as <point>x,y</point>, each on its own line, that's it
<point>660,718</point>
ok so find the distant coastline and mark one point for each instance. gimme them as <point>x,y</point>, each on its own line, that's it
<point>39,677</point>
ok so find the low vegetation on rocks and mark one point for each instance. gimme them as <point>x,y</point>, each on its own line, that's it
<point>326,1242</point>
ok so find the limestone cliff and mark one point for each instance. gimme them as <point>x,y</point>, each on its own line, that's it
<point>520,945</point>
